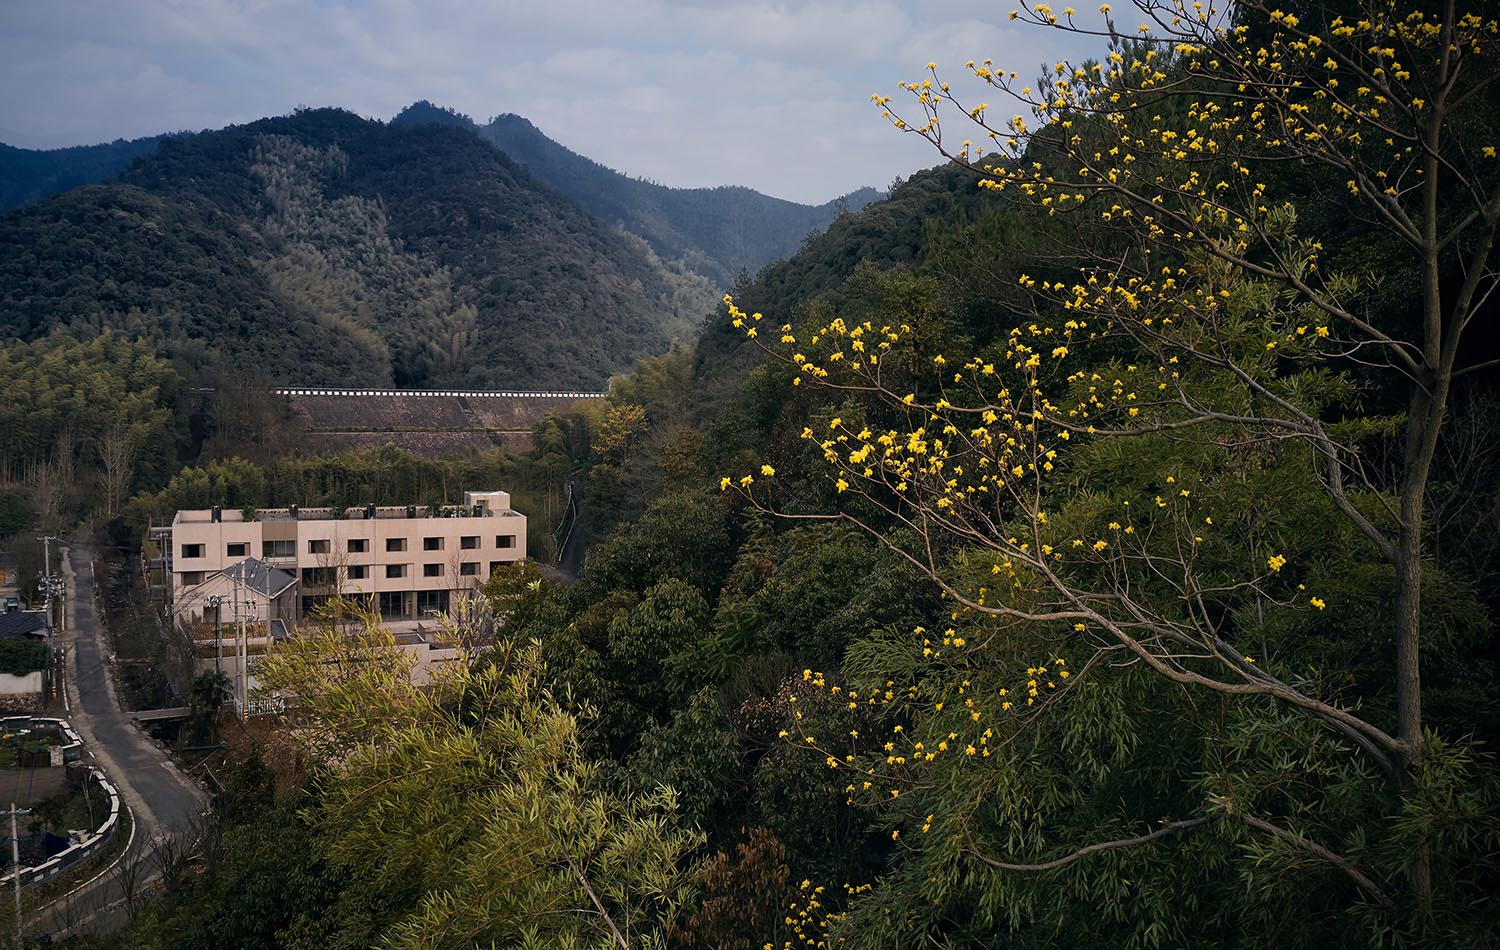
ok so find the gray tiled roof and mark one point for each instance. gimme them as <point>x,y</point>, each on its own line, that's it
<point>260,577</point>
<point>21,623</point>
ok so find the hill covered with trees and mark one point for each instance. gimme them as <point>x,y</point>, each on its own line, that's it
<point>322,248</point>
<point>1006,568</point>
<point>718,232</point>
<point>28,175</point>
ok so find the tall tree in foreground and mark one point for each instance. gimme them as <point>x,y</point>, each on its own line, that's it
<point>1159,470</point>
<point>465,813</point>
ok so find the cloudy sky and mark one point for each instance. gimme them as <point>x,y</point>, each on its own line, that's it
<point>774,95</point>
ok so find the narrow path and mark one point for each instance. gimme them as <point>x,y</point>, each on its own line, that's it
<point>162,801</point>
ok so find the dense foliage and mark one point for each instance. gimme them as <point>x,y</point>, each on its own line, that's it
<point>28,175</point>
<point>22,655</point>
<point>1038,606</point>
<point>322,248</point>
<point>87,423</point>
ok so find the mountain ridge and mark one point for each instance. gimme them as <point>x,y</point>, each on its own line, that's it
<point>720,230</point>
<point>717,231</point>
<point>326,248</point>
<point>28,175</point>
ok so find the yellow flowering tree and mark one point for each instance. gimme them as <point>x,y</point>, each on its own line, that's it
<point>1213,330</point>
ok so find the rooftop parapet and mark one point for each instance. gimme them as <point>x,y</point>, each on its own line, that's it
<point>489,504</point>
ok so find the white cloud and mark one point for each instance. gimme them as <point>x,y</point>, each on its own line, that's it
<point>770,94</point>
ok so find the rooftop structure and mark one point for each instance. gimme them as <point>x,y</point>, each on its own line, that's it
<point>24,623</point>
<point>258,577</point>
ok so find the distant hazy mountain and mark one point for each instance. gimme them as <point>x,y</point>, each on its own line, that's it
<point>29,174</point>
<point>329,249</point>
<point>717,231</point>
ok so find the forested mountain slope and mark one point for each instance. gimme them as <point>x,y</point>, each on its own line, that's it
<point>324,248</point>
<point>30,174</point>
<point>716,231</point>
<point>1007,571</point>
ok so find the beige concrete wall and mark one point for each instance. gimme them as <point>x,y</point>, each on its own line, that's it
<point>427,660</point>
<point>196,527</point>
<point>215,538</point>
<point>28,684</point>
<point>192,605</point>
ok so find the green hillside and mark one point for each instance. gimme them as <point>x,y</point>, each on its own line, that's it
<point>27,175</point>
<point>717,231</point>
<point>324,248</point>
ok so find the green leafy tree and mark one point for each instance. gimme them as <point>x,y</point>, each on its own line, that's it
<point>698,754</point>
<point>467,813</point>
<point>1148,472</point>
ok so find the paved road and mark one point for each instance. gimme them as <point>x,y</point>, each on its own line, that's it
<point>161,799</point>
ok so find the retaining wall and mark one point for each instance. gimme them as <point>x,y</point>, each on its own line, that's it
<point>55,865</point>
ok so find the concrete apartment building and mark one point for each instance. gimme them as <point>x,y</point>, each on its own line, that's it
<point>280,563</point>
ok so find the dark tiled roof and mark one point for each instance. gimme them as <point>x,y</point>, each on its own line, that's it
<point>21,623</point>
<point>260,576</point>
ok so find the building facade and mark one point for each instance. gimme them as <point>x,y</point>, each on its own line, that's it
<point>409,562</point>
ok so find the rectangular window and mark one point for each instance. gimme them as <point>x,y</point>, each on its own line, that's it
<point>495,566</point>
<point>317,546</point>
<point>278,548</point>
<point>432,570</point>
<point>432,544</point>
<point>318,576</point>
<point>392,604</point>
<point>192,550</point>
<point>238,549</point>
<point>431,602</point>
<point>469,569</point>
<point>395,544</point>
<point>469,542</point>
<point>395,570</point>
<point>191,578</point>
<point>505,540</point>
<point>312,602</point>
<point>358,545</point>
<point>358,572</point>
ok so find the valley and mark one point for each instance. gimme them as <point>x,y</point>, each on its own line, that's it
<point>1090,540</point>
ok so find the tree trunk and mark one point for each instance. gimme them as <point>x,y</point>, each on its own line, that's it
<point>1422,428</point>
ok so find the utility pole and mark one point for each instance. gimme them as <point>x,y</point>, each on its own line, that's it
<point>238,629</point>
<point>51,586</point>
<point>15,862</point>
<point>217,602</point>
<point>245,663</point>
<point>240,642</point>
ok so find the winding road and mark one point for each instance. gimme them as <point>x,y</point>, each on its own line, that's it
<point>162,801</point>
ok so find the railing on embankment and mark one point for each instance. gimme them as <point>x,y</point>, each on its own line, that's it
<point>72,750</point>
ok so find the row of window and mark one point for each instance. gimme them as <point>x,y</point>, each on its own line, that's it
<point>327,576</point>
<point>324,576</point>
<point>285,549</point>
<point>391,604</point>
